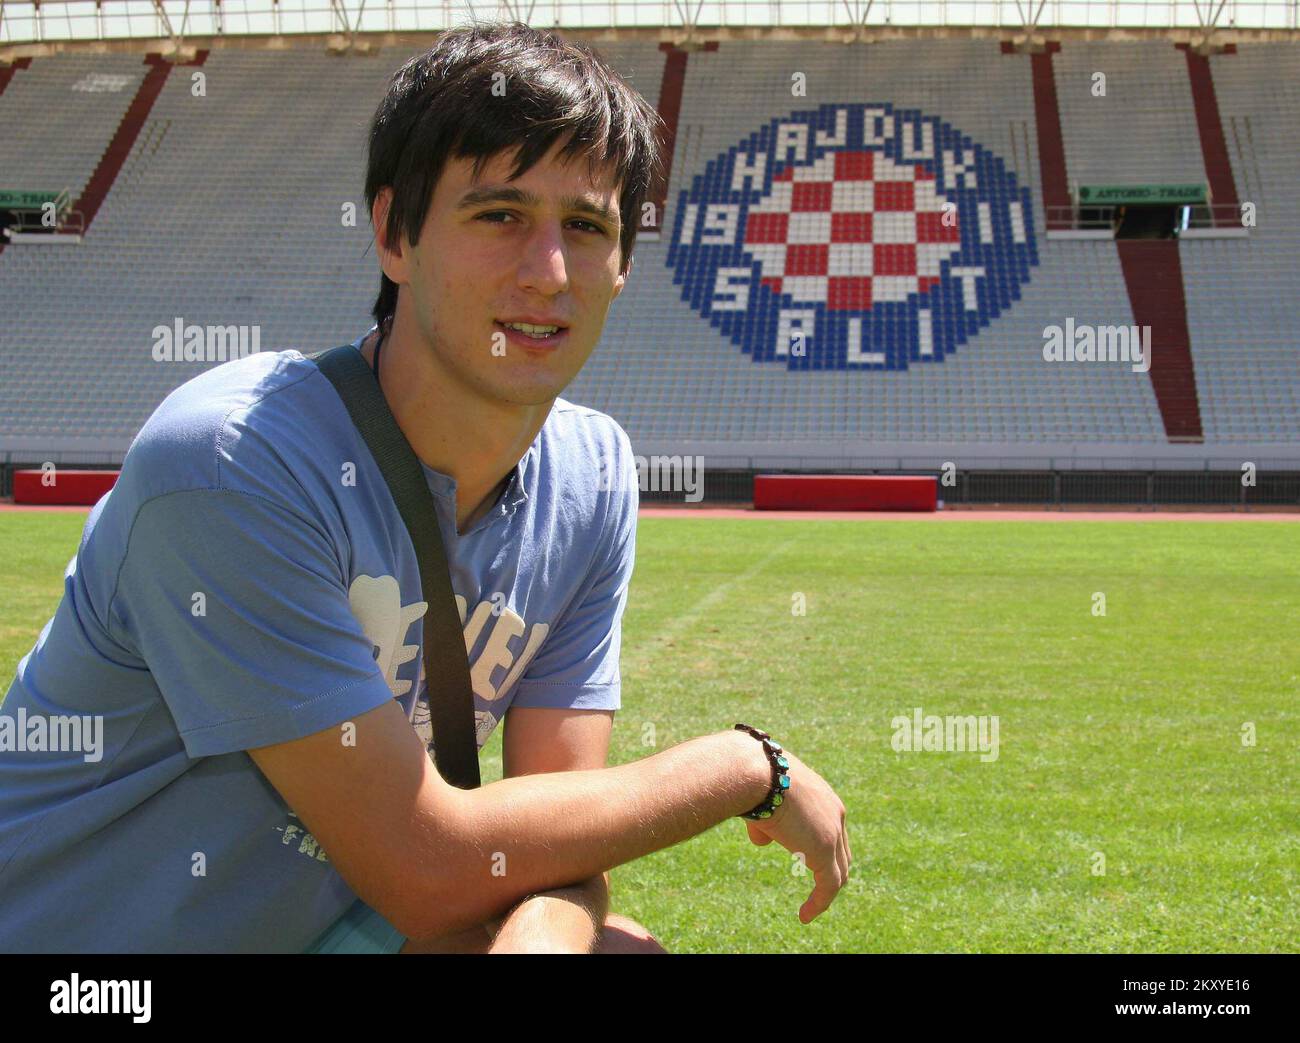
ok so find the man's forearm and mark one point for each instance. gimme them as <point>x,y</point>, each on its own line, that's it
<point>539,832</point>
<point>562,920</point>
<point>566,919</point>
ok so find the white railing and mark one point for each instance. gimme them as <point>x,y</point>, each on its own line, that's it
<point>48,21</point>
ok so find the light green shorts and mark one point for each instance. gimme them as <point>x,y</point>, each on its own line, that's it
<point>359,930</point>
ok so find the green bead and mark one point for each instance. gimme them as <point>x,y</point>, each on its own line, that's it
<point>783,762</point>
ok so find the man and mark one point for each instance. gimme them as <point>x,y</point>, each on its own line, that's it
<point>244,610</point>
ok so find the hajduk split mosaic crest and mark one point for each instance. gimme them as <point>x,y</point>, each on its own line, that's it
<point>855,236</point>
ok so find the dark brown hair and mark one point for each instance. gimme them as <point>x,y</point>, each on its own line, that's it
<point>441,104</point>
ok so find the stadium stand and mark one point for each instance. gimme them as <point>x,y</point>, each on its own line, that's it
<point>58,116</point>
<point>1142,130</point>
<point>229,210</point>
<point>667,382</point>
<point>1241,294</point>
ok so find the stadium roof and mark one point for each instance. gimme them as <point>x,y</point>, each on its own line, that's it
<point>50,22</point>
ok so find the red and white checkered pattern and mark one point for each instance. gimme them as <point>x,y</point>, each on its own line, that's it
<point>851,229</point>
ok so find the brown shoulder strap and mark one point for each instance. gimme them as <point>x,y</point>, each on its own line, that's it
<point>446,663</point>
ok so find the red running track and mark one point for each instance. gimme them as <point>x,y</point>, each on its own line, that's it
<point>1038,515</point>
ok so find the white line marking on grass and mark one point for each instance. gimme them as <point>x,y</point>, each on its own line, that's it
<point>656,644</point>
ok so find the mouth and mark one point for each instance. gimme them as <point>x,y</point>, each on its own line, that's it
<point>533,341</point>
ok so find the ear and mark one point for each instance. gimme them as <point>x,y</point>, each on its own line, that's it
<point>391,260</point>
<point>621,280</point>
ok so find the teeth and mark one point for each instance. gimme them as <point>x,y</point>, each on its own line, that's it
<point>532,331</point>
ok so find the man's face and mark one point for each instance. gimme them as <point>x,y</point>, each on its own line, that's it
<point>484,260</point>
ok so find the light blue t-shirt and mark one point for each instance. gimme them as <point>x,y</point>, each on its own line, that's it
<point>248,581</point>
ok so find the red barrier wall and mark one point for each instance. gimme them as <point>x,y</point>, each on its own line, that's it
<point>845,492</point>
<point>82,488</point>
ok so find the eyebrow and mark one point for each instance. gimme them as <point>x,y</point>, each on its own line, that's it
<point>476,197</point>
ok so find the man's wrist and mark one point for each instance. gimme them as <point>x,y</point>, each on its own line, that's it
<point>754,767</point>
<point>779,773</point>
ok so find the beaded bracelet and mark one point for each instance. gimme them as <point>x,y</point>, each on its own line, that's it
<point>780,774</point>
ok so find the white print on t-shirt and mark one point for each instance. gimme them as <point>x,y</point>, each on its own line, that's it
<point>377,604</point>
<point>308,845</point>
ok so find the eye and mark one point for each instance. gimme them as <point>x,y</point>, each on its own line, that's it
<point>597,229</point>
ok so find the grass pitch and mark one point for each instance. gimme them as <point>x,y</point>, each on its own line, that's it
<point>1120,735</point>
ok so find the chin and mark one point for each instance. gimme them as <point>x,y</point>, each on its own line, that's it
<point>531,378</point>
<point>528,392</point>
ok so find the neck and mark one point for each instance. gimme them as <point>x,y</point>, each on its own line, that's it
<point>451,427</point>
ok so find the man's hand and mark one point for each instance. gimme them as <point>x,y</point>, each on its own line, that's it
<point>812,821</point>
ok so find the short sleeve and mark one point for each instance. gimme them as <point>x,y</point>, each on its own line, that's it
<point>239,609</point>
<point>578,665</point>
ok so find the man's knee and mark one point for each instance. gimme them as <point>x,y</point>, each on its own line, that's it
<point>624,935</point>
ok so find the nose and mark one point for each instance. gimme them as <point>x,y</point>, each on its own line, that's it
<point>544,264</point>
